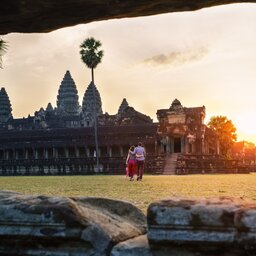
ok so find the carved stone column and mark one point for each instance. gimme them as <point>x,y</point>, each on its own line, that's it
<point>26,153</point>
<point>156,148</point>
<point>6,154</point>
<point>46,155</point>
<point>109,151</point>
<point>66,152</point>
<point>36,153</point>
<point>121,151</point>
<point>169,145</point>
<point>77,152</point>
<point>87,152</point>
<point>183,144</point>
<point>16,155</point>
<point>54,153</point>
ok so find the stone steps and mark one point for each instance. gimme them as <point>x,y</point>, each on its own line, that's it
<point>170,164</point>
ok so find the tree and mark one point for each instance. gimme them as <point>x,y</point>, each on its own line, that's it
<point>90,54</point>
<point>225,131</point>
<point>91,57</point>
<point>3,48</point>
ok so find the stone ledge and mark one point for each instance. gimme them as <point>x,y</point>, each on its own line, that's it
<point>44,225</point>
<point>203,225</point>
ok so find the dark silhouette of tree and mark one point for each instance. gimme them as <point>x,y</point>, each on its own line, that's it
<point>90,53</point>
<point>226,133</point>
<point>91,57</point>
<point>3,48</point>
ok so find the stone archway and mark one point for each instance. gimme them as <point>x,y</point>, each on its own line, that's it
<point>47,15</point>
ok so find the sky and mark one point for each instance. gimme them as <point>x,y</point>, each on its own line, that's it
<point>206,57</point>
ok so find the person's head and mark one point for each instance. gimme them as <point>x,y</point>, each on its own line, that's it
<point>132,148</point>
<point>140,144</point>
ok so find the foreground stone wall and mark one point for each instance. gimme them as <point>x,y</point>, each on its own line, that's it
<point>56,226</point>
<point>41,225</point>
<point>218,226</point>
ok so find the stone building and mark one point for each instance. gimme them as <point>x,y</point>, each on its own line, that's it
<point>60,140</point>
<point>182,130</point>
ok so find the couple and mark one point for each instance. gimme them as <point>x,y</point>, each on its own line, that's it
<point>136,159</point>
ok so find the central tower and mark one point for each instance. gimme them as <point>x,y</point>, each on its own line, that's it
<point>67,99</point>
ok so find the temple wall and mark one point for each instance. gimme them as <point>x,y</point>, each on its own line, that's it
<point>72,151</point>
<point>177,119</point>
<point>74,166</point>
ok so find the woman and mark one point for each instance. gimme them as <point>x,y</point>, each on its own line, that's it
<point>131,162</point>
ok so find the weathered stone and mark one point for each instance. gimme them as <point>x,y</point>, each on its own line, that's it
<point>182,130</point>
<point>48,15</point>
<point>135,246</point>
<point>42,225</point>
<point>207,226</point>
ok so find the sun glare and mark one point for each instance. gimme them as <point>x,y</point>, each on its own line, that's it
<point>246,127</point>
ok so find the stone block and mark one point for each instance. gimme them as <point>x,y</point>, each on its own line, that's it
<point>206,226</point>
<point>59,226</point>
<point>135,246</point>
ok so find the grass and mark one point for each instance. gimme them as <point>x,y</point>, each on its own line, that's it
<point>141,194</point>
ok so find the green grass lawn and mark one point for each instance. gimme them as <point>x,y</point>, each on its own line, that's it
<point>141,194</point>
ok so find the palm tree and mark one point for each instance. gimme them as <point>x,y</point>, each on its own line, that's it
<point>91,57</point>
<point>90,54</point>
<point>3,48</point>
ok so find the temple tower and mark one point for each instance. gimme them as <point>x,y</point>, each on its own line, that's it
<point>67,99</point>
<point>176,105</point>
<point>49,108</point>
<point>122,107</point>
<point>88,103</point>
<point>5,107</point>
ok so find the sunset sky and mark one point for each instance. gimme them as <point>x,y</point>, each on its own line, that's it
<point>207,57</point>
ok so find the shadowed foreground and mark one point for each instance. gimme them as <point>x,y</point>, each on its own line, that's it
<point>184,226</point>
<point>47,15</point>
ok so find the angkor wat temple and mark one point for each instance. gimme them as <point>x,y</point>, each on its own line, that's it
<point>61,140</point>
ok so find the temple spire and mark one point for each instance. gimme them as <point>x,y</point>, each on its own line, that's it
<point>67,99</point>
<point>5,106</point>
<point>88,106</point>
<point>49,107</point>
<point>122,107</point>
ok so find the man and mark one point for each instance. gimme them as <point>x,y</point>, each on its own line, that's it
<point>140,158</point>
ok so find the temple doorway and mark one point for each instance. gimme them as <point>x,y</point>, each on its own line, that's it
<point>177,145</point>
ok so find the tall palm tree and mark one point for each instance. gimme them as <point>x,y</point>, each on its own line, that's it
<point>90,53</point>
<point>3,48</point>
<point>91,57</point>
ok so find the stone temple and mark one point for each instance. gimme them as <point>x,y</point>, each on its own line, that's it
<point>61,140</point>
